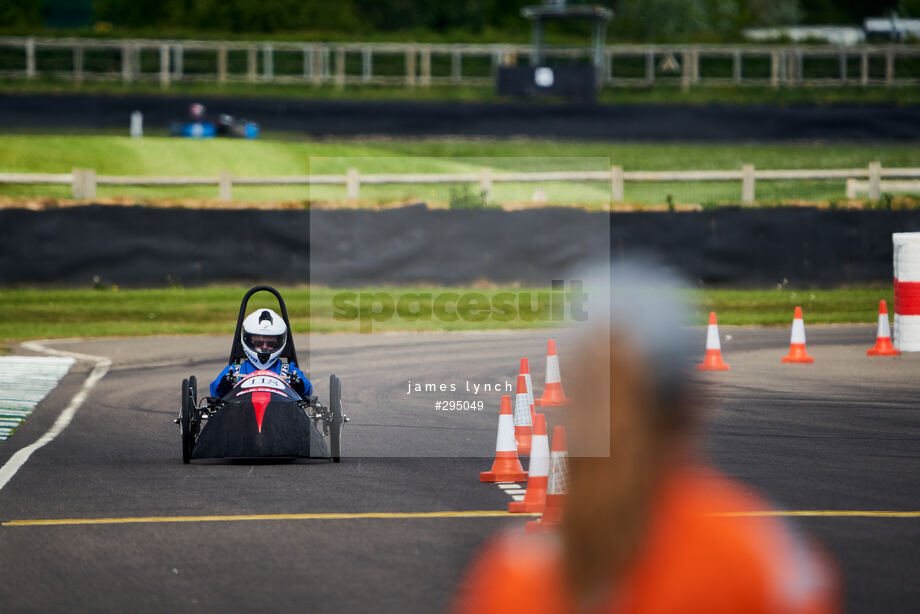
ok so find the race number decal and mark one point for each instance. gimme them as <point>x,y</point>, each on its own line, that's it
<point>263,381</point>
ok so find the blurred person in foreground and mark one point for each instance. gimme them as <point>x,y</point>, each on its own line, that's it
<point>648,525</point>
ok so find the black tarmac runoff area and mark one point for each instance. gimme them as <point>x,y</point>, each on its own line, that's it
<point>391,528</point>
<point>350,118</point>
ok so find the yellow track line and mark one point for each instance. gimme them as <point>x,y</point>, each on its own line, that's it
<point>232,518</point>
<point>411,515</point>
<point>826,513</point>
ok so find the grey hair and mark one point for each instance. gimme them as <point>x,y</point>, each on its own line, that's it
<point>647,306</point>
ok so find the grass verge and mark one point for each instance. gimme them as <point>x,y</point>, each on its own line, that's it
<point>35,313</point>
<point>116,155</point>
<point>858,304</point>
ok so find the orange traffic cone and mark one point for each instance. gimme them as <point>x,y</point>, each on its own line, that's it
<point>558,484</point>
<point>523,422</point>
<point>525,371</point>
<point>883,346</point>
<point>507,467</point>
<point>797,352</point>
<point>712,360</point>
<point>537,472</point>
<point>552,392</point>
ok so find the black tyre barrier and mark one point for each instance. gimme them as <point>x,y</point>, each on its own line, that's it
<point>139,246</point>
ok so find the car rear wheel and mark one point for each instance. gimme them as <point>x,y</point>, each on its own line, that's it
<point>193,390</point>
<point>185,422</point>
<point>335,429</point>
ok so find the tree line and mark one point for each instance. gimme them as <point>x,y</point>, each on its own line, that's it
<point>634,20</point>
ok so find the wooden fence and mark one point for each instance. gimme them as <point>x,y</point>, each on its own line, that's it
<point>424,65</point>
<point>84,182</point>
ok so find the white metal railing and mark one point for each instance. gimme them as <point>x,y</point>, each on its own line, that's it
<point>423,65</point>
<point>84,182</point>
<point>855,187</point>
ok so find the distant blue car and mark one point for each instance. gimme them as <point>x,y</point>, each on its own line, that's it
<point>194,130</point>
<point>226,126</point>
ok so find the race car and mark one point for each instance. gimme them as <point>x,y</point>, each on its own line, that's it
<point>200,126</point>
<point>261,416</point>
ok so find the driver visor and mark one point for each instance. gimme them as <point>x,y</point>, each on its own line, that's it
<point>265,343</point>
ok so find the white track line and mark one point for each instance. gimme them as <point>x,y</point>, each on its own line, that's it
<point>99,370</point>
<point>513,490</point>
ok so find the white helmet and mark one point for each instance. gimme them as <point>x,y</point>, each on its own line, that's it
<point>264,336</point>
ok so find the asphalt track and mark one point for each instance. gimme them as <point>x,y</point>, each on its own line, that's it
<point>840,435</point>
<point>343,118</point>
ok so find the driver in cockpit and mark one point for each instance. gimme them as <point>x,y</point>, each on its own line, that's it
<point>264,336</point>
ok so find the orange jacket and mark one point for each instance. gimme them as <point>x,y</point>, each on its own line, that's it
<point>694,560</point>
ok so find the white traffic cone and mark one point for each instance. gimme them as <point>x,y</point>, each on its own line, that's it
<point>712,360</point>
<point>883,345</point>
<point>553,395</point>
<point>507,466</point>
<point>537,472</point>
<point>558,485</point>
<point>523,423</point>
<point>797,352</point>
<point>525,371</point>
